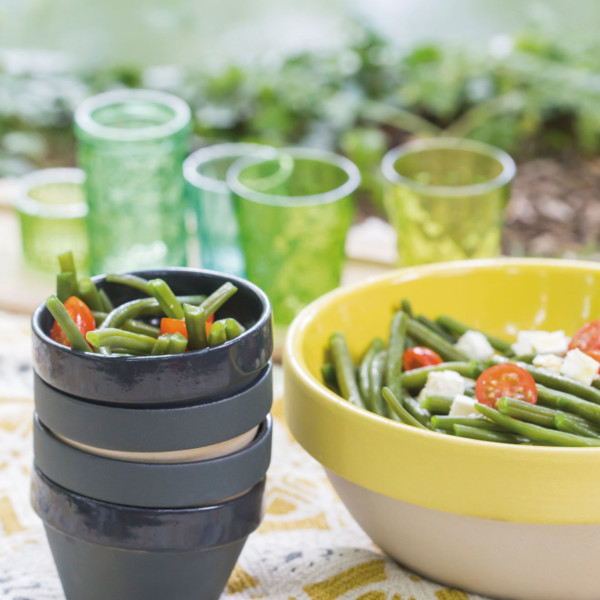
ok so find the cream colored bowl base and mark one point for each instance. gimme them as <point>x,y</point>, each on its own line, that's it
<point>177,456</point>
<point>517,561</point>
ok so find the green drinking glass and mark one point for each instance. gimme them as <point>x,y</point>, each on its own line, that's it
<point>205,173</point>
<point>131,145</point>
<point>52,209</point>
<point>446,199</point>
<point>294,210</point>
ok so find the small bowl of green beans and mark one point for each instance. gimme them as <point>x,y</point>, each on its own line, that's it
<point>456,411</point>
<point>127,357</point>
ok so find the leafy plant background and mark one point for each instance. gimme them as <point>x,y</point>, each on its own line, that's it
<point>534,94</point>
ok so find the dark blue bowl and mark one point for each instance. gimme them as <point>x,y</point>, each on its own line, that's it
<point>154,485</point>
<point>106,551</point>
<point>191,377</point>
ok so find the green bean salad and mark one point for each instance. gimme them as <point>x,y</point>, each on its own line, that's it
<point>444,376</point>
<point>163,323</point>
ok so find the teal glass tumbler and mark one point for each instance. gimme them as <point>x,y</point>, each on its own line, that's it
<point>52,209</point>
<point>446,199</point>
<point>131,145</point>
<point>294,211</point>
<point>205,173</point>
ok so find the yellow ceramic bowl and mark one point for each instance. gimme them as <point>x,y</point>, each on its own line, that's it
<point>476,515</point>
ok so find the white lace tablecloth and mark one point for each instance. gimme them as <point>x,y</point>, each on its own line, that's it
<point>307,548</point>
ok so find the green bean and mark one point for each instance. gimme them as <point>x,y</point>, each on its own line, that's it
<point>99,317</point>
<point>177,344</point>
<point>569,402</point>
<point>328,374</point>
<point>116,351</point>
<point>364,372</point>
<point>142,327</point>
<point>436,328</point>
<point>88,292</point>
<point>409,343</point>
<point>571,424</point>
<point>532,413</point>
<point>396,407</point>
<point>376,376</point>
<point>525,358</point>
<point>437,343</point>
<point>139,283</point>
<point>64,286</point>
<point>406,307</point>
<point>458,328</point>
<point>436,405</point>
<point>107,305</point>
<point>218,298</point>
<point>66,323</point>
<point>478,433</point>
<point>161,346</point>
<point>470,392</point>
<point>417,378</point>
<point>144,307</point>
<point>195,324</point>
<point>160,289</point>
<point>413,407</point>
<point>233,328</point>
<point>344,369</point>
<point>446,423</point>
<point>118,338</point>
<point>217,334</point>
<point>67,265</point>
<point>563,384</point>
<point>534,432</point>
<point>132,325</point>
<point>393,365</point>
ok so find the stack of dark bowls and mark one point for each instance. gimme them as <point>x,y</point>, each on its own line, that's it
<point>149,471</point>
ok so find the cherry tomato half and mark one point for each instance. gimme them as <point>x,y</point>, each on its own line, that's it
<point>178,325</point>
<point>80,313</point>
<point>420,356</point>
<point>505,379</point>
<point>587,339</point>
<point>173,326</point>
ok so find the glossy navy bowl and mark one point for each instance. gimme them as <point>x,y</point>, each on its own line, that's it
<point>168,429</point>
<point>107,551</point>
<point>178,379</point>
<point>152,485</point>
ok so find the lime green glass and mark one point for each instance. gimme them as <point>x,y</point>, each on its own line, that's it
<point>446,199</point>
<point>294,210</point>
<point>131,145</point>
<point>205,173</point>
<point>51,207</point>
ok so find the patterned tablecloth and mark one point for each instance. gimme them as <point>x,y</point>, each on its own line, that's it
<point>307,548</point>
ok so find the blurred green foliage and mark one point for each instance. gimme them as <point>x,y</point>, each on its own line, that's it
<point>531,94</point>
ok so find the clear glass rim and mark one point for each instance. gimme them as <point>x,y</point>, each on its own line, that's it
<point>85,121</point>
<point>325,156</point>
<point>208,154</point>
<point>24,203</point>
<point>422,145</point>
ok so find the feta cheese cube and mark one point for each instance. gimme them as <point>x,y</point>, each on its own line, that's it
<point>463,406</point>
<point>580,366</point>
<point>475,345</point>
<point>444,383</point>
<point>550,362</point>
<point>541,342</point>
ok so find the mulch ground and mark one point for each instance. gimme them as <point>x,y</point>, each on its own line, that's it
<point>555,210</point>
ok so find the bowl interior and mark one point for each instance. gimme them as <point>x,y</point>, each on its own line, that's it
<point>497,297</point>
<point>473,478</point>
<point>248,305</point>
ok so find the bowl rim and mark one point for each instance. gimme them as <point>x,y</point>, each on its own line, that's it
<point>302,387</point>
<point>239,282</point>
